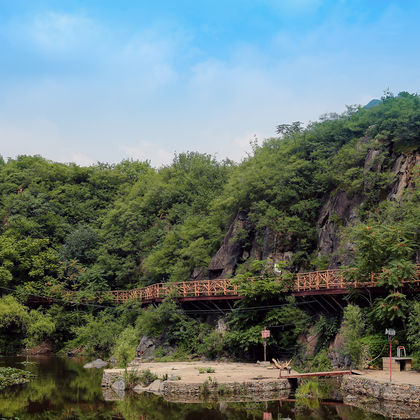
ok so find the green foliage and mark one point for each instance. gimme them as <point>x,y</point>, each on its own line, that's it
<point>146,377</point>
<point>321,362</point>
<point>13,323</point>
<point>326,329</point>
<point>243,338</point>
<point>11,376</point>
<point>40,327</point>
<point>125,346</point>
<point>352,330</point>
<point>309,393</point>
<point>259,282</point>
<point>205,370</point>
<point>103,227</point>
<point>376,347</point>
<point>97,335</point>
<point>413,328</point>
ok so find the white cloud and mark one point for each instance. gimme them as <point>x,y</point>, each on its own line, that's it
<point>145,150</point>
<point>56,32</point>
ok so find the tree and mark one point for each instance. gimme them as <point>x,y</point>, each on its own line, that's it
<point>352,330</point>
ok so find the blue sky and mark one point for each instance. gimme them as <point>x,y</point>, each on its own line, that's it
<point>103,80</point>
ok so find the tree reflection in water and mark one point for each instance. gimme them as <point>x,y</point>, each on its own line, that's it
<point>63,389</point>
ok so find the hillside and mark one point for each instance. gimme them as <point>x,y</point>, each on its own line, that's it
<point>341,192</point>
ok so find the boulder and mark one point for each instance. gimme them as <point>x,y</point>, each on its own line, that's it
<point>98,364</point>
<point>155,386</point>
<point>148,346</point>
<point>119,387</point>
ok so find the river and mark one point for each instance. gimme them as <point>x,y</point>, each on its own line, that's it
<point>63,389</point>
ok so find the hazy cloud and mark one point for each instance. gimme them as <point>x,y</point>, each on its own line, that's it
<point>148,151</point>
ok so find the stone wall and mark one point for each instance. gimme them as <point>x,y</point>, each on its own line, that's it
<point>179,388</point>
<point>393,409</point>
<point>405,393</point>
<point>231,388</point>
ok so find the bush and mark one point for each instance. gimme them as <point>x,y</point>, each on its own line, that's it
<point>413,330</point>
<point>97,335</point>
<point>131,379</point>
<point>352,328</point>
<point>206,370</point>
<point>146,377</point>
<point>125,346</point>
<point>321,362</point>
<point>376,346</point>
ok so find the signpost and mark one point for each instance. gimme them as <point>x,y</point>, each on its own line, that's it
<point>390,332</point>
<point>265,334</point>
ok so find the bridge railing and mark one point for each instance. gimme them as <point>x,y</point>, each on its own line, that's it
<point>336,279</point>
<point>311,281</point>
<point>194,288</point>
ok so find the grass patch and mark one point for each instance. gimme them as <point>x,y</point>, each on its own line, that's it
<point>205,370</point>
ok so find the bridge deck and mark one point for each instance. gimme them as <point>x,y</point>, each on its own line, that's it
<point>313,283</point>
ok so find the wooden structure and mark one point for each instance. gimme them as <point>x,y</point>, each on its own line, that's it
<point>316,374</point>
<point>399,364</point>
<point>327,282</point>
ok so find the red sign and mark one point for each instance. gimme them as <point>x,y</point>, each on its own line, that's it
<point>267,416</point>
<point>265,333</point>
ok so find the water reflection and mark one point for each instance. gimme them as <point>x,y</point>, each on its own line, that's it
<point>64,390</point>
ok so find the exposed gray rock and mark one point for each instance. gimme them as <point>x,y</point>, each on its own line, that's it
<point>221,326</point>
<point>148,346</point>
<point>402,169</point>
<point>230,253</point>
<point>98,364</point>
<point>156,387</point>
<point>337,211</point>
<point>118,385</point>
<point>338,359</point>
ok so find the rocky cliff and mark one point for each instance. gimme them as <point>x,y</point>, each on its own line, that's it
<point>339,209</point>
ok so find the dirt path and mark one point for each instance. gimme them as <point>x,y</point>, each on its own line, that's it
<point>223,372</point>
<point>409,377</point>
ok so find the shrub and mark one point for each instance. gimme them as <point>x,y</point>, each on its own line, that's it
<point>321,362</point>
<point>206,370</point>
<point>146,377</point>
<point>352,329</point>
<point>131,379</point>
<point>125,347</point>
<point>376,345</point>
<point>413,330</point>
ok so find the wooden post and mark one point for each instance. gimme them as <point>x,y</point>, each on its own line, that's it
<point>390,360</point>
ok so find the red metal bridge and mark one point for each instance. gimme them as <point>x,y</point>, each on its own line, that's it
<point>327,282</point>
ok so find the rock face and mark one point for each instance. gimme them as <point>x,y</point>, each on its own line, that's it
<point>147,347</point>
<point>338,359</point>
<point>402,168</point>
<point>240,244</point>
<point>337,211</point>
<point>230,253</point>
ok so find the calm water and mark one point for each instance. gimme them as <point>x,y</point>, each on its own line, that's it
<point>64,390</point>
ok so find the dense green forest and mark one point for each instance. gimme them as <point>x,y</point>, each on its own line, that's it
<point>105,227</point>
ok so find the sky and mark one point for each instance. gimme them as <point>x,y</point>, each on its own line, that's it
<point>106,80</point>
